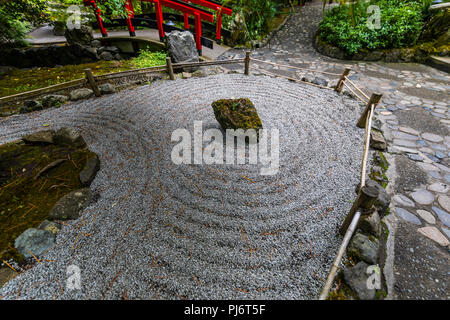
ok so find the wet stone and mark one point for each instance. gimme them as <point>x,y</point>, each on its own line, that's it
<point>434,234</point>
<point>427,216</point>
<point>443,216</point>
<point>403,200</point>
<point>408,216</point>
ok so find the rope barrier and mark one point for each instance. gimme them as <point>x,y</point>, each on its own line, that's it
<point>292,67</point>
<point>356,87</point>
<point>289,78</point>
<point>356,95</point>
<point>354,222</point>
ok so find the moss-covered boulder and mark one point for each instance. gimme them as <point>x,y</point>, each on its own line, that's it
<point>236,114</point>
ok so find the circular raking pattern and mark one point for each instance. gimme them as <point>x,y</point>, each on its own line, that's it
<point>166,231</point>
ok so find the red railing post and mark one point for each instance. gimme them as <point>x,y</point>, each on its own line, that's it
<point>219,27</point>
<point>186,21</point>
<point>130,13</point>
<point>198,33</point>
<point>159,20</point>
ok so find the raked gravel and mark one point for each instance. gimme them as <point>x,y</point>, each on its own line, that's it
<point>165,231</point>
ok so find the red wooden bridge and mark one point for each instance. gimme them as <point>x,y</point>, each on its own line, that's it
<point>186,7</point>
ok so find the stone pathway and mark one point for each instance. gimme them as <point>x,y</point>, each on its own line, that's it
<point>415,120</point>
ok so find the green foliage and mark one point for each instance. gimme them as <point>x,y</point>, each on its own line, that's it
<point>346,26</point>
<point>147,58</point>
<point>16,17</point>
<point>256,15</point>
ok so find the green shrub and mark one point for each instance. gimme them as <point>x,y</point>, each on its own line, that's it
<point>346,26</point>
<point>148,58</point>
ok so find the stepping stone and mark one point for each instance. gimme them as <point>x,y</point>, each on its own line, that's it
<point>422,196</point>
<point>427,166</point>
<point>432,137</point>
<point>403,200</point>
<point>404,136</point>
<point>439,187</point>
<point>414,157</point>
<point>434,234</point>
<point>408,216</point>
<point>405,143</point>
<point>446,231</point>
<point>444,201</point>
<point>427,216</point>
<point>443,216</point>
<point>409,130</point>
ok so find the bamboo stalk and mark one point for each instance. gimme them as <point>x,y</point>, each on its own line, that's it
<point>342,79</point>
<point>374,100</point>
<point>340,254</point>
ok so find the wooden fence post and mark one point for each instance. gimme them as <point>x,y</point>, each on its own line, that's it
<point>365,200</point>
<point>374,99</point>
<point>340,84</point>
<point>247,63</point>
<point>170,68</point>
<point>91,79</point>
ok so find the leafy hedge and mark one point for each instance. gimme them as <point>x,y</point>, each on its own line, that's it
<point>346,26</point>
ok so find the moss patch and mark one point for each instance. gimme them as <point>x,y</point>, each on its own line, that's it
<point>25,201</point>
<point>22,80</point>
<point>236,114</point>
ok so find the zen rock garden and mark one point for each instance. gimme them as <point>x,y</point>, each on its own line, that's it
<point>358,125</point>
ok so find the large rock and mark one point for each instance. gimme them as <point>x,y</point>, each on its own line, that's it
<point>51,226</point>
<point>356,277</point>
<point>69,137</point>
<point>30,106</point>
<point>89,172</point>
<point>181,47</point>
<point>236,114</point>
<point>54,100</point>
<point>371,224</point>
<point>82,93</point>
<point>364,248</point>
<point>107,88</point>
<point>377,140</point>
<point>84,35</point>
<point>383,200</point>
<point>238,31</point>
<point>45,136</point>
<point>34,242</point>
<point>71,205</point>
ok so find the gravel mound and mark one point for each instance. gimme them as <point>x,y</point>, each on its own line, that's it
<point>163,231</point>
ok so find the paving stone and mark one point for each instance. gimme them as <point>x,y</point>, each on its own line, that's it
<point>404,136</point>
<point>444,201</point>
<point>422,197</point>
<point>408,216</point>
<point>414,157</point>
<point>403,200</point>
<point>427,216</point>
<point>442,215</point>
<point>439,187</point>
<point>446,231</point>
<point>427,166</point>
<point>405,143</point>
<point>409,130</point>
<point>434,234</point>
<point>432,137</point>
<point>440,155</point>
<point>422,143</point>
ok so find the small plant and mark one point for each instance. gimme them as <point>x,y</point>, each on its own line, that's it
<point>148,58</point>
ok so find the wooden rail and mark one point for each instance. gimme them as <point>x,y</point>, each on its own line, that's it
<point>92,80</point>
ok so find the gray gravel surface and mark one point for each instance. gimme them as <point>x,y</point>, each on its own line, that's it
<point>162,231</point>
